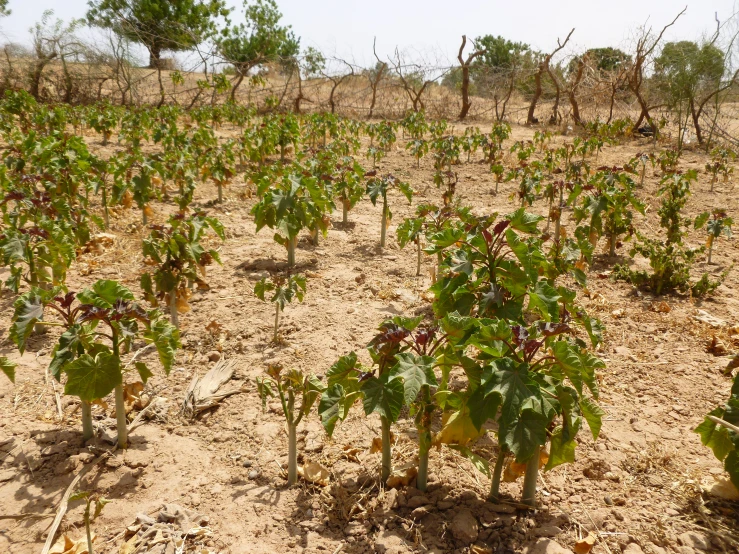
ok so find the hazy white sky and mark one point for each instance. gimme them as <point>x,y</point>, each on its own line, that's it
<point>435,27</point>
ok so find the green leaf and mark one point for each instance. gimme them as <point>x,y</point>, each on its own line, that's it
<point>593,414</point>
<point>166,339</point>
<point>560,450</point>
<point>144,372</point>
<point>328,407</point>
<point>527,432</point>
<point>66,350</point>
<point>344,368</point>
<point>731,465</point>
<point>92,378</point>
<point>104,294</point>
<point>29,309</point>
<point>384,396</point>
<point>416,372</point>
<point>700,221</point>
<point>480,464</point>
<point>8,368</point>
<point>715,436</point>
<point>545,300</point>
<point>524,222</point>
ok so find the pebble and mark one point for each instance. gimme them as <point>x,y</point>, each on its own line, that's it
<point>253,474</point>
<point>214,356</point>
<point>247,463</point>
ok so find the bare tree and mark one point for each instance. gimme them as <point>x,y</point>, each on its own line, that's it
<point>576,79</point>
<point>645,46</point>
<point>544,67</point>
<point>336,80</point>
<point>375,76</point>
<point>465,65</point>
<point>413,79</point>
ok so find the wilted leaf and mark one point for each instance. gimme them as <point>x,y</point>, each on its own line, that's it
<point>402,476</point>
<point>8,368</point>
<point>313,472</point>
<point>585,545</point>
<point>65,545</point>
<point>458,429</point>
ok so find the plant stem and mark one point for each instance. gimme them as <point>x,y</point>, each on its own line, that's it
<point>420,253</point>
<point>87,528</point>
<point>710,251</point>
<point>120,407</point>
<point>106,217</point>
<point>345,211</point>
<point>612,246</point>
<point>386,450</point>
<point>144,219</point>
<point>173,316</point>
<point>383,228</point>
<point>277,320</point>
<point>424,441</point>
<point>220,193</point>
<point>497,472</point>
<point>529,481</point>
<point>291,242</point>
<point>86,421</point>
<point>314,235</point>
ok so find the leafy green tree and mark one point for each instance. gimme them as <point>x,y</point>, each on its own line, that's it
<point>260,40</point>
<point>159,25</point>
<point>604,59</point>
<point>689,74</point>
<point>4,11</point>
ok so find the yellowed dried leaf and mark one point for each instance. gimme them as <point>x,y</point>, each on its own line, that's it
<point>585,545</point>
<point>313,472</point>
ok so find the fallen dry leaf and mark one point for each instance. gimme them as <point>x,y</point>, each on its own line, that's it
<point>65,545</point>
<point>402,476</point>
<point>716,347</point>
<point>661,307</point>
<point>377,443</point>
<point>313,472</point>
<point>351,454</point>
<point>585,545</point>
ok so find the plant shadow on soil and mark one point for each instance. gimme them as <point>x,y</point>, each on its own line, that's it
<point>113,482</point>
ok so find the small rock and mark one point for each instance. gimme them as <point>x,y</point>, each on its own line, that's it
<point>417,501</point>
<point>253,474</point>
<point>355,529</point>
<point>464,527</point>
<point>419,512</point>
<point>444,504</point>
<point>67,466</point>
<point>6,476</point>
<point>633,548</point>
<point>694,540</point>
<point>214,356</point>
<point>247,463</point>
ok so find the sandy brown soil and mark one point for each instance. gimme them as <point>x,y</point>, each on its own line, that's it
<point>639,485</point>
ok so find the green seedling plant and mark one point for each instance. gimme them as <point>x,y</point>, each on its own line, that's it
<point>90,514</point>
<point>607,206</point>
<point>348,184</point>
<point>378,187</point>
<point>418,148</point>
<point>471,140</point>
<point>674,190</point>
<point>288,204</point>
<point>176,253</point>
<point>283,291</point>
<point>291,386</point>
<point>717,223</point>
<point>99,324</point>
<point>720,165</point>
<point>220,166</point>
<point>720,432</point>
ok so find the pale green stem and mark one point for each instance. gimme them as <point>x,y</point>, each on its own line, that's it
<point>86,420</point>
<point>528,496</point>
<point>386,449</point>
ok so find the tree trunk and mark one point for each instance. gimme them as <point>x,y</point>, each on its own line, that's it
<point>155,54</point>
<point>530,119</point>
<point>573,92</point>
<point>237,84</point>
<point>466,104</point>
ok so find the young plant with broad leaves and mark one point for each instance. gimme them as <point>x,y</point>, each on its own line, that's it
<point>176,253</point>
<point>283,291</point>
<point>289,387</point>
<point>99,325</point>
<point>717,223</point>
<point>378,187</point>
